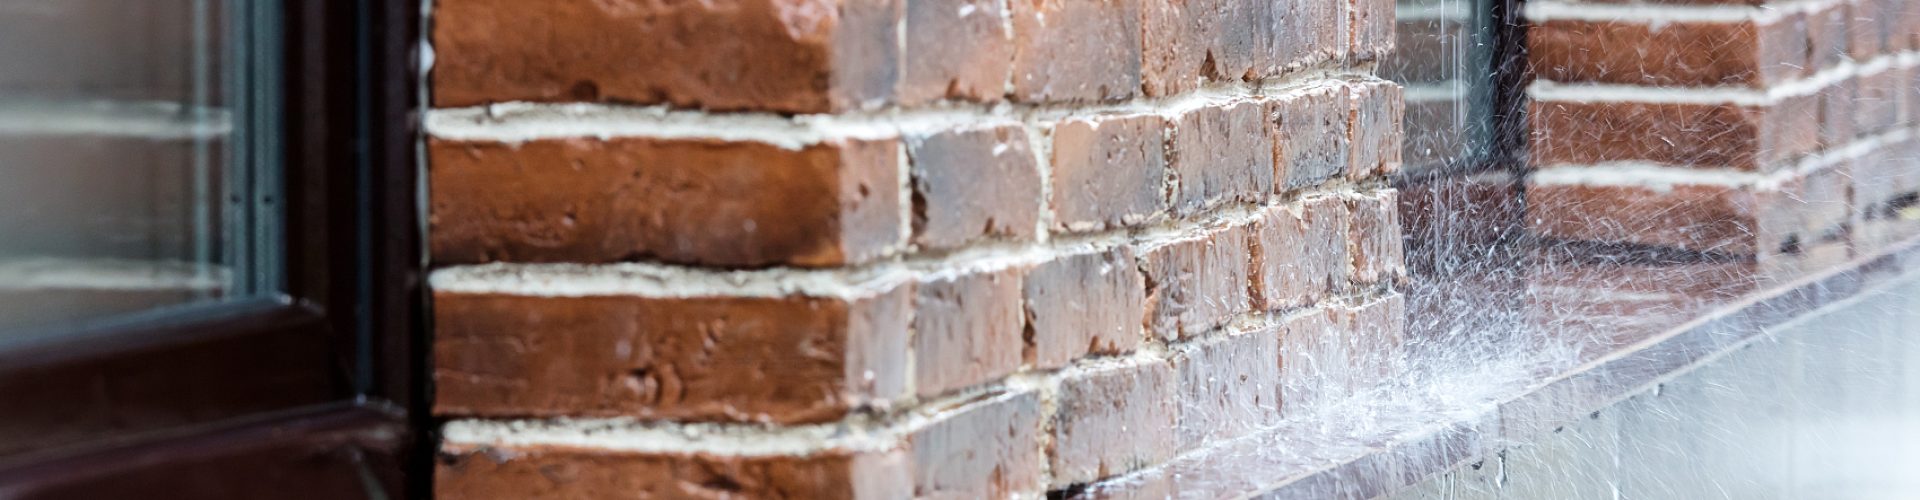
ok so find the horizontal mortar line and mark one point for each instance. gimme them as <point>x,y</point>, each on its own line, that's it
<point>61,273</point>
<point>1665,176</point>
<point>1664,13</point>
<point>857,432</point>
<point>1431,10</point>
<point>133,119</point>
<point>1585,92</point>
<point>1440,91</point>
<point>659,280</point>
<point>521,121</point>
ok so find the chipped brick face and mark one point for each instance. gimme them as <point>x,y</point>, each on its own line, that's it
<point>898,248</point>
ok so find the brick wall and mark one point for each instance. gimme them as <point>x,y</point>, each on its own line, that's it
<point>892,248</point>
<point>1778,134</point>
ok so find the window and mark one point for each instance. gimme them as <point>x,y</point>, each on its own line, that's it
<point>209,245</point>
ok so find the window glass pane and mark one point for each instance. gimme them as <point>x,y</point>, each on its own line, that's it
<point>133,169</point>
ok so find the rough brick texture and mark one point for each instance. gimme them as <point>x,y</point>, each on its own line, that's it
<point>900,248</point>
<point>1079,304</point>
<point>967,329</point>
<point>687,201</point>
<point>1108,171</point>
<point>703,358</point>
<point>804,56</point>
<point>1113,420</point>
<point>1196,282</point>
<point>973,185</point>
<point>482,472</point>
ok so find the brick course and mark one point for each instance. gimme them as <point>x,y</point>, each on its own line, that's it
<point>890,248</point>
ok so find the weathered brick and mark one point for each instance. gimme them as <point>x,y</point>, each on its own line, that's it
<point>1866,28</point>
<point>1184,41</point>
<point>967,329</point>
<point>489,472</point>
<point>1221,154</point>
<point>1376,245</point>
<point>1826,36</point>
<point>1838,125</point>
<point>1728,219</point>
<point>955,49</point>
<point>682,201</point>
<point>1229,386</point>
<point>1196,282</point>
<point>1300,253</point>
<point>789,56</point>
<point>1670,53</point>
<point>1886,190</point>
<point>1108,172</point>
<point>1877,105</point>
<point>1378,341</point>
<point>1311,135</point>
<point>1371,28</point>
<point>1378,134</point>
<point>786,359</point>
<point>1111,420</point>
<point>1704,135</point>
<point>1075,50</point>
<point>974,184</point>
<point>986,448</point>
<point>1315,360</point>
<point>1087,303</point>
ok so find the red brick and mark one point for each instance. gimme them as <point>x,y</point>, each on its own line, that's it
<point>788,359</point>
<point>1372,29</point>
<point>1705,135</point>
<point>986,448</point>
<point>1075,50</point>
<point>682,201</point>
<point>1838,125</point>
<point>1603,302</point>
<point>1376,238</point>
<point>1110,420</point>
<point>1670,53</point>
<point>1221,154</point>
<point>1886,190</point>
<point>1108,172</point>
<point>1196,282</point>
<point>1185,41</point>
<point>1867,28</point>
<point>790,56</point>
<point>484,472</point>
<point>1300,253</point>
<point>967,330</point>
<point>1448,220</point>
<point>1088,303</point>
<point>1311,135</point>
<point>974,184</point>
<point>1229,386</point>
<point>955,49</point>
<point>1378,341</point>
<point>1737,220</point>
<point>1301,33</point>
<point>1877,106</point>
<point>1827,36</point>
<point>1378,108</point>
<point>1315,371</point>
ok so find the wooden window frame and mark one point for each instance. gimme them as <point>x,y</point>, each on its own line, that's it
<point>304,393</point>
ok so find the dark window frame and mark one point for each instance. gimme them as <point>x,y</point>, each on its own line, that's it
<point>145,402</point>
